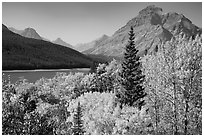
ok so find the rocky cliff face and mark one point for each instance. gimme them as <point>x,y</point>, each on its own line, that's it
<point>151,27</point>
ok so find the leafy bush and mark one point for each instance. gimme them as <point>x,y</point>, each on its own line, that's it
<point>102,115</point>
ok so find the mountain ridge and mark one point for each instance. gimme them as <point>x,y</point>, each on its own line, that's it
<point>27,32</point>
<point>19,53</point>
<point>151,28</point>
<point>59,41</point>
<point>31,33</point>
<point>85,46</point>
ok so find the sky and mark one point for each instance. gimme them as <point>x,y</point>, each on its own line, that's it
<point>84,22</point>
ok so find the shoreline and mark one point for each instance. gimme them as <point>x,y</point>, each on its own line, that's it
<point>46,70</point>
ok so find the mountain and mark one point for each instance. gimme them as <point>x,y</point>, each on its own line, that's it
<point>4,28</point>
<point>85,46</point>
<point>45,39</point>
<point>19,52</point>
<point>16,31</point>
<point>28,33</point>
<point>151,27</point>
<point>59,41</point>
<point>31,33</point>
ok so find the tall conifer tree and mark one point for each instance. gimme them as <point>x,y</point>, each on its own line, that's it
<point>78,123</point>
<point>132,78</point>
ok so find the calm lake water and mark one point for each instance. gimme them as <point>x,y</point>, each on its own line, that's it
<point>34,75</point>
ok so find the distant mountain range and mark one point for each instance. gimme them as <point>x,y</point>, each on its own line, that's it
<point>28,33</point>
<point>19,52</point>
<point>31,33</point>
<point>86,46</point>
<point>151,27</point>
<point>59,41</point>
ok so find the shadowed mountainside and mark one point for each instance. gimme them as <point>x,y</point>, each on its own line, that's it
<point>22,53</point>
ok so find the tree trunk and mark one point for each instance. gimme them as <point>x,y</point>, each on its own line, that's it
<point>175,132</point>
<point>186,118</point>
<point>156,117</point>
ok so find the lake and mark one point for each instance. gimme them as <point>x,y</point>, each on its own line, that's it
<point>34,75</point>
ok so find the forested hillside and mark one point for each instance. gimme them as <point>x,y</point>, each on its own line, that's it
<point>23,53</point>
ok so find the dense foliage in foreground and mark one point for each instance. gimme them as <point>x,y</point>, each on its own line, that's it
<point>173,104</point>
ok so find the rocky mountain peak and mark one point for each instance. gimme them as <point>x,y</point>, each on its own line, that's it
<point>149,10</point>
<point>59,41</point>
<point>104,36</point>
<point>172,17</point>
<point>30,29</point>
<point>30,33</point>
<point>149,15</point>
<point>152,27</point>
<point>177,23</point>
<point>89,46</point>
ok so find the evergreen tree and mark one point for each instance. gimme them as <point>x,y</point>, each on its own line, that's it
<point>78,123</point>
<point>132,78</point>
